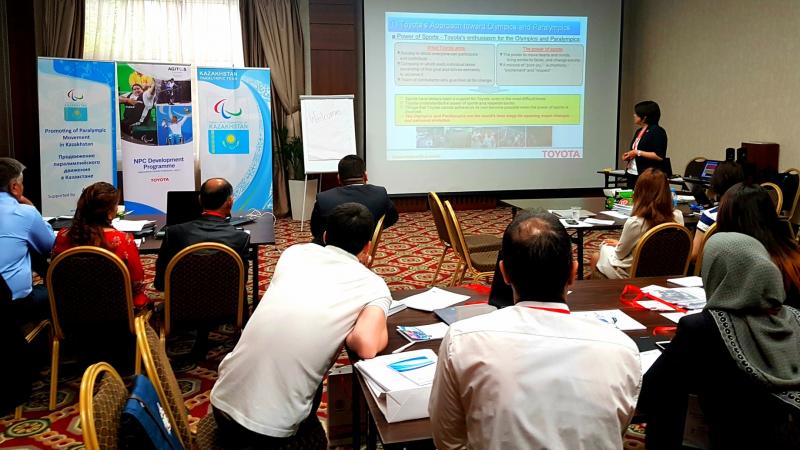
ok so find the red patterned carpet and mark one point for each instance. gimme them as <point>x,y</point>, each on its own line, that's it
<point>406,259</point>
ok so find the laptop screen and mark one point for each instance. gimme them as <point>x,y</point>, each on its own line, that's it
<point>183,206</point>
<point>708,170</point>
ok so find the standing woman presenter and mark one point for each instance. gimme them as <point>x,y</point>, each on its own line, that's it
<point>649,144</point>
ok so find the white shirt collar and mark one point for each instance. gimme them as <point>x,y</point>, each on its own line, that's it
<point>547,305</point>
<point>340,251</point>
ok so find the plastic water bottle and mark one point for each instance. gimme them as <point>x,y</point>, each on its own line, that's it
<point>674,198</point>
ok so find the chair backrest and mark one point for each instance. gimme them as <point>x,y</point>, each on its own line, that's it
<point>376,239</point>
<point>457,234</point>
<point>101,406</point>
<point>439,219</point>
<point>88,287</point>
<point>204,283</point>
<point>790,188</point>
<point>698,263</point>
<point>775,194</point>
<point>695,166</point>
<point>159,371</point>
<point>662,250</point>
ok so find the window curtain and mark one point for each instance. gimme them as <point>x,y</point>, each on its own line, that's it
<point>206,32</point>
<point>272,36</point>
<point>59,28</point>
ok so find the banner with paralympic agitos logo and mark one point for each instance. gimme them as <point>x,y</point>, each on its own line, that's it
<point>155,110</point>
<point>77,129</point>
<point>235,133</point>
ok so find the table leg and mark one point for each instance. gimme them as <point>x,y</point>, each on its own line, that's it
<point>356,409</point>
<point>579,243</point>
<point>254,259</point>
<point>372,433</point>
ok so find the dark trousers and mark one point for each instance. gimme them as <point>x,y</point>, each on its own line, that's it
<point>34,307</point>
<point>310,434</point>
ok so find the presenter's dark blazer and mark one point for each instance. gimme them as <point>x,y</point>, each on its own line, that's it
<point>654,140</point>
<point>739,412</point>
<point>373,197</point>
<point>204,229</point>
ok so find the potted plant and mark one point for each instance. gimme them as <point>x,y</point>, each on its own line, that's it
<point>290,150</point>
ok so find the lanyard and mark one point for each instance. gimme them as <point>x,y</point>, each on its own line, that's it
<point>635,145</point>
<point>555,310</point>
<point>213,213</point>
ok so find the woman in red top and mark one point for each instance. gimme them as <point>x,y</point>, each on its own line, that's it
<point>97,206</point>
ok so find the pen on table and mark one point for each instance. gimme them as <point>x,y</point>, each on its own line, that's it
<point>403,347</point>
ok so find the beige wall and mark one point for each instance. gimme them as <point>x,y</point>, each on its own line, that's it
<point>723,72</point>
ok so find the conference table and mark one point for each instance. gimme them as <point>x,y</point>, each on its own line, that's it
<point>595,205</point>
<point>262,232</point>
<point>586,295</point>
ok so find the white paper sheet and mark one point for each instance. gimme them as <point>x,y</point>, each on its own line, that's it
<point>676,316</point>
<point>377,369</point>
<point>615,214</point>
<point>612,317</point>
<point>648,358</point>
<point>594,221</point>
<point>580,224</point>
<point>654,305</point>
<point>687,281</point>
<point>130,226</point>
<point>434,298</point>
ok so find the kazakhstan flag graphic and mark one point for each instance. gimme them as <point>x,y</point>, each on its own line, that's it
<point>228,142</point>
<point>76,113</point>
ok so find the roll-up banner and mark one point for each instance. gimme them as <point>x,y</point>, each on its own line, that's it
<point>155,104</point>
<point>77,129</point>
<point>235,133</point>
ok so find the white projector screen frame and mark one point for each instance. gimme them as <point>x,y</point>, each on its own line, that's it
<point>549,170</point>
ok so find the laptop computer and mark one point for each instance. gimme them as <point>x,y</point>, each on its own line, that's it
<point>184,206</point>
<point>704,175</point>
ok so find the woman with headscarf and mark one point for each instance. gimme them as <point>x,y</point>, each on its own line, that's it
<point>740,356</point>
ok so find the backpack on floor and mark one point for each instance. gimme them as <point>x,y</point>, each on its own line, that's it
<point>144,424</point>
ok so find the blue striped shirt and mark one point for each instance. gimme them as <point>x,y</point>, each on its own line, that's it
<point>22,229</point>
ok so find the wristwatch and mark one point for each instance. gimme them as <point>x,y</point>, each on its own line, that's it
<point>638,153</point>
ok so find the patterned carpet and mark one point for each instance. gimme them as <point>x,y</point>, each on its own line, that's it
<point>406,259</point>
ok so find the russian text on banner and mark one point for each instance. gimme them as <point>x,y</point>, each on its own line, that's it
<point>77,129</point>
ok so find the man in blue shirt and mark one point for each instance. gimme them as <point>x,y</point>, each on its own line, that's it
<point>22,231</point>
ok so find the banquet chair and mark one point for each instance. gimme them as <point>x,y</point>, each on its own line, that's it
<point>102,399</point>
<point>204,285</point>
<point>775,194</point>
<point>698,263</point>
<point>663,250</point>
<point>376,239</point>
<point>89,288</point>
<point>480,264</point>
<point>475,242</point>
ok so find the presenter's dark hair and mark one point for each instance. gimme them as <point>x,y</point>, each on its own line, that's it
<point>97,202</point>
<point>726,175</point>
<point>649,111</point>
<point>213,197</point>
<point>10,170</point>
<point>351,168</point>
<point>537,256</point>
<point>349,227</point>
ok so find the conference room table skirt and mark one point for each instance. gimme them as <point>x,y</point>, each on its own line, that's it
<point>586,295</point>
<point>262,232</point>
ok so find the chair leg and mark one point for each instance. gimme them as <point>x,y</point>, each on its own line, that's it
<point>54,374</point>
<point>462,276</point>
<point>137,365</point>
<point>454,277</point>
<point>439,267</point>
<point>18,412</point>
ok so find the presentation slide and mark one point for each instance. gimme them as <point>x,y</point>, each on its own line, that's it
<point>484,87</point>
<point>472,96</point>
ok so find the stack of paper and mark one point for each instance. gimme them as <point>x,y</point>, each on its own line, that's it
<point>400,383</point>
<point>683,297</point>
<point>616,215</point>
<point>130,226</point>
<point>396,307</point>
<point>623,209</point>
<point>434,298</point>
<point>687,281</point>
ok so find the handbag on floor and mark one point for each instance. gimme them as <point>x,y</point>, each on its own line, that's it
<point>144,423</point>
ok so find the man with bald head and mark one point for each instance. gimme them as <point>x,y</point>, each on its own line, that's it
<point>216,198</point>
<point>532,375</point>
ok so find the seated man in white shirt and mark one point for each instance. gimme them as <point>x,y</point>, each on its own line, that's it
<point>531,375</point>
<point>269,386</point>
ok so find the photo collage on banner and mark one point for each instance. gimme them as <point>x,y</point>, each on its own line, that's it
<point>155,107</point>
<point>235,133</point>
<point>77,129</point>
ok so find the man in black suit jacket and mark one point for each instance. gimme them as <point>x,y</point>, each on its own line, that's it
<point>354,188</point>
<point>216,198</point>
